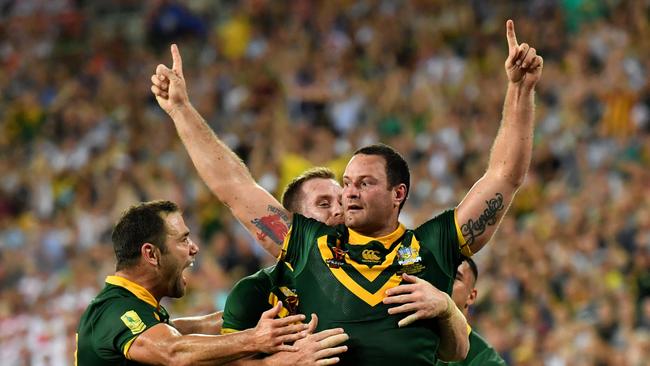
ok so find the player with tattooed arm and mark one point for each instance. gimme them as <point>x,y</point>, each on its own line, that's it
<point>349,274</point>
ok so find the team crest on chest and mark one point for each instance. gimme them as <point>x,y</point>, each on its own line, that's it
<point>410,261</point>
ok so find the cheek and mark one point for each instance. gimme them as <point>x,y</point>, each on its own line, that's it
<point>321,215</point>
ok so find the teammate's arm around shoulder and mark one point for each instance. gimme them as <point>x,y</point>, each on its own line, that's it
<point>480,212</point>
<point>219,167</point>
<point>203,324</point>
<point>164,345</point>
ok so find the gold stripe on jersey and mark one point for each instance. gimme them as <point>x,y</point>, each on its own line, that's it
<point>139,291</point>
<point>285,245</point>
<point>228,330</point>
<point>368,297</point>
<point>127,347</point>
<point>360,239</point>
<point>462,243</point>
<point>273,300</point>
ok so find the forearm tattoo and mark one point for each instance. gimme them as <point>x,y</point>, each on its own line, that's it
<point>474,228</point>
<point>274,226</point>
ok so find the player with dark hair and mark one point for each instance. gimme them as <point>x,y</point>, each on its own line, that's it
<point>464,294</point>
<point>314,194</point>
<point>125,323</point>
<point>350,275</point>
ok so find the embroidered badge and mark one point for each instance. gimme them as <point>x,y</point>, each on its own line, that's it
<point>410,261</point>
<point>133,322</point>
<point>339,257</point>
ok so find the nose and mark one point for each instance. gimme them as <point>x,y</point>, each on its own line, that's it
<point>350,191</point>
<point>337,210</point>
<point>194,248</point>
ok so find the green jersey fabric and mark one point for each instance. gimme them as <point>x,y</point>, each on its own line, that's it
<point>480,353</point>
<point>342,276</point>
<point>258,293</point>
<point>112,321</point>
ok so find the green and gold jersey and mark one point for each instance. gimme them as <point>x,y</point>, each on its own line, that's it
<point>342,276</point>
<point>112,321</point>
<point>258,293</point>
<point>480,353</point>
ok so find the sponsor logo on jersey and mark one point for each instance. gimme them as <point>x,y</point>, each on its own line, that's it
<point>370,256</point>
<point>133,322</point>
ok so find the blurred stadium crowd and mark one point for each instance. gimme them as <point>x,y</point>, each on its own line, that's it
<point>292,84</point>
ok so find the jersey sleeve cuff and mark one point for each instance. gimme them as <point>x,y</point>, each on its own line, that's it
<point>462,243</point>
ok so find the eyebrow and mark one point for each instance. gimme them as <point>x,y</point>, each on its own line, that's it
<point>360,177</point>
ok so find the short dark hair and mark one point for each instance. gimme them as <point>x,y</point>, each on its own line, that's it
<point>293,193</point>
<point>472,266</point>
<point>139,224</point>
<point>397,169</point>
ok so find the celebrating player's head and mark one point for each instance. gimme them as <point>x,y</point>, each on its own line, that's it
<point>153,236</point>
<point>464,292</point>
<point>375,186</point>
<point>315,194</point>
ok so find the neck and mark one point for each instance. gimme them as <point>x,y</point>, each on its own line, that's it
<point>379,232</point>
<point>147,279</point>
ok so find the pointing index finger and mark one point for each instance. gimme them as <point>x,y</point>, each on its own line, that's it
<point>177,61</point>
<point>510,34</point>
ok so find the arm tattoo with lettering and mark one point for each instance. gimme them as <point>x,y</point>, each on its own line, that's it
<point>473,228</point>
<point>274,226</point>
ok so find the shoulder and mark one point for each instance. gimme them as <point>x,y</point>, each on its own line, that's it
<point>481,350</point>
<point>111,298</point>
<point>304,230</point>
<point>444,218</point>
<point>259,279</point>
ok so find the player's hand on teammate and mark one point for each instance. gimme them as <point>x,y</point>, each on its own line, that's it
<point>274,335</point>
<point>418,297</point>
<point>316,349</point>
<point>523,65</point>
<point>168,85</point>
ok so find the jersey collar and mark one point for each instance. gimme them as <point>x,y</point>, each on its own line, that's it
<point>139,291</point>
<point>387,240</point>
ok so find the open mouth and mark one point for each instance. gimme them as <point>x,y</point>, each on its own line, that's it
<point>183,273</point>
<point>354,208</point>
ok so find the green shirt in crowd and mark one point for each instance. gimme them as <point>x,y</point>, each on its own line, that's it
<point>113,320</point>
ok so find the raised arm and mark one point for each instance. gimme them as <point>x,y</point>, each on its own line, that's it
<point>219,167</point>
<point>481,211</point>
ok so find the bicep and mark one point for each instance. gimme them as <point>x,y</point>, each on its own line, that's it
<point>479,214</point>
<point>153,345</point>
<point>262,215</point>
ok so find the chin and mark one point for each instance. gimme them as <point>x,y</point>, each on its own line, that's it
<point>178,291</point>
